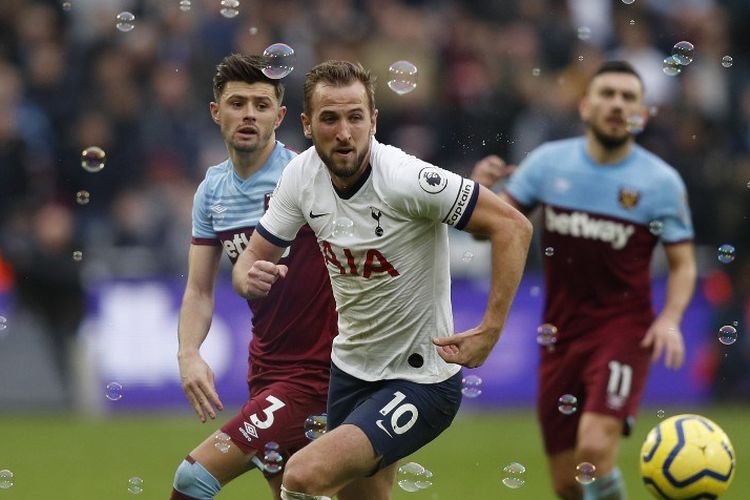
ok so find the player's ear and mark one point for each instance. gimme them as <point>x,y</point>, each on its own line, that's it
<point>374,122</point>
<point>306,126</point>
<point>280,116</point>
<point>583,109</point>
<point>214,109</point>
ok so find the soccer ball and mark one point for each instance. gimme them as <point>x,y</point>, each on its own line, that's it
<point>687,456</point>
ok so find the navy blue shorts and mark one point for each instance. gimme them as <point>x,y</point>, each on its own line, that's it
<point>399,417</point>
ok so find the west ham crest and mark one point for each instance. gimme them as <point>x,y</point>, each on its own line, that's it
<point>628,198</point>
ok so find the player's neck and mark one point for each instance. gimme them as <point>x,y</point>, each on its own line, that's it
<point>604,155</point>
<point>246,164</point>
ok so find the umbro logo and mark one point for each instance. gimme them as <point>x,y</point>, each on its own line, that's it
<point>315,216</point>
<point>379,423</point>
<point>219,208</point>
<point>248,431</point>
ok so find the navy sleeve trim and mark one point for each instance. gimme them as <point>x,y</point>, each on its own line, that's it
<point>275,240</point>
<point>469,208</point>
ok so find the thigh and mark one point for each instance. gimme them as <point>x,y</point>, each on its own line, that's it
<point>400,417</point>
<point>559,374</point>
<point>275,414</point>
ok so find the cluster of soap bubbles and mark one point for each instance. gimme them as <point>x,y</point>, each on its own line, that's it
<point>726,253</point>
<point>546,335</point>
<point>655,227</point>
<point>135,485</point>
<point>7,479</point>
<point>222,442</point>
<point>343,227</point>
<point>514,475</point>
<point>727,334</point>
<point>471,386</point>
<point>315,426</point>
<point>125,21</point>
<point>567,404</point>
<point>230,8</point>
<point>281,61</point>
<point>414,477</point>
<point>585,473</point>
<point>682,55</point>
<point>113,391</point>
<point>273,461</point>
<point>94,157</point>
<point>402,77</point>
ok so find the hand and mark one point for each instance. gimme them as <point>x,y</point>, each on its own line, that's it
<point>261,276</point>
<point>470,348</point>
<point>664,335</point>
<point>197,381</point>
<point>491,169</point>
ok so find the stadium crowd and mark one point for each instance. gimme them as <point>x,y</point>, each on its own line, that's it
<point>495,77</point>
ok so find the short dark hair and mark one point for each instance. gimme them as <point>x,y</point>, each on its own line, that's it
<point>243,68</point>
<point>617,67</point>
<point>338,73</point>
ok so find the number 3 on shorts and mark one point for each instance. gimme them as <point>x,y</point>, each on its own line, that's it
<point>400,410</point>
<point>276,404</point>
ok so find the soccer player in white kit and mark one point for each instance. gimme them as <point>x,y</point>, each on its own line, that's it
<point>381,218</point>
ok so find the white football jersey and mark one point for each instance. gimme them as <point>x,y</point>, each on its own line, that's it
<point>385,243</point>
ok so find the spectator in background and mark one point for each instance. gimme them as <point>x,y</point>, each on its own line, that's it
<point>40,248</point>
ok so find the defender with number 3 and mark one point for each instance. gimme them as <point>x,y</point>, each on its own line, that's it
<point>289,352</point>
<point>381,218</point>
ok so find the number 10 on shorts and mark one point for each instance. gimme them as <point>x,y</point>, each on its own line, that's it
<point>397,408</point>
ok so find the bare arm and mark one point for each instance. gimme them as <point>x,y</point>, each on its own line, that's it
<point>664,334</point>
<point>196,312</point>
<point>509,232</point>
<point>256,269</point>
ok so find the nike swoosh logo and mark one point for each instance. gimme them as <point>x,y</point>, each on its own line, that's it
<point>315,216</point>
<point>379,423</point>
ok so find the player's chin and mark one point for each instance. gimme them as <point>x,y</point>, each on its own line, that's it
<point>245,145</point>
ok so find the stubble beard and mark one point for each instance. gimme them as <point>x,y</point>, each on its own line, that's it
<point>342,171</point>
<point>252,147</point>
<point>608,141</point>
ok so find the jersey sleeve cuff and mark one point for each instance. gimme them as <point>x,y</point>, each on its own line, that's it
<point>279,242</point>
<point>469,208</point>
<point>525,208</point>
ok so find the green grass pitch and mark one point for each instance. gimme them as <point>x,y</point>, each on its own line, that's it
<point>65,458</point>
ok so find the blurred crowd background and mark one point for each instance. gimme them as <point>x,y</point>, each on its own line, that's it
<point>495,77</point>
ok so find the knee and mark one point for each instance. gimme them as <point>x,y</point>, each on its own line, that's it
<point>304,475</point>
<point>599,452</point>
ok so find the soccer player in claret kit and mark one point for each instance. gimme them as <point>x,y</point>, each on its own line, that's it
<point>606,203</point>
<point>293,326</point>
<point>381,218</point>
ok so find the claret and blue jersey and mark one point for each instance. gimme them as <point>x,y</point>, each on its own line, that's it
<point>294,325</point>
<point>600,224</point>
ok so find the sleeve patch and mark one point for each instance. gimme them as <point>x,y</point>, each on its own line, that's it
<point>432,180</point>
